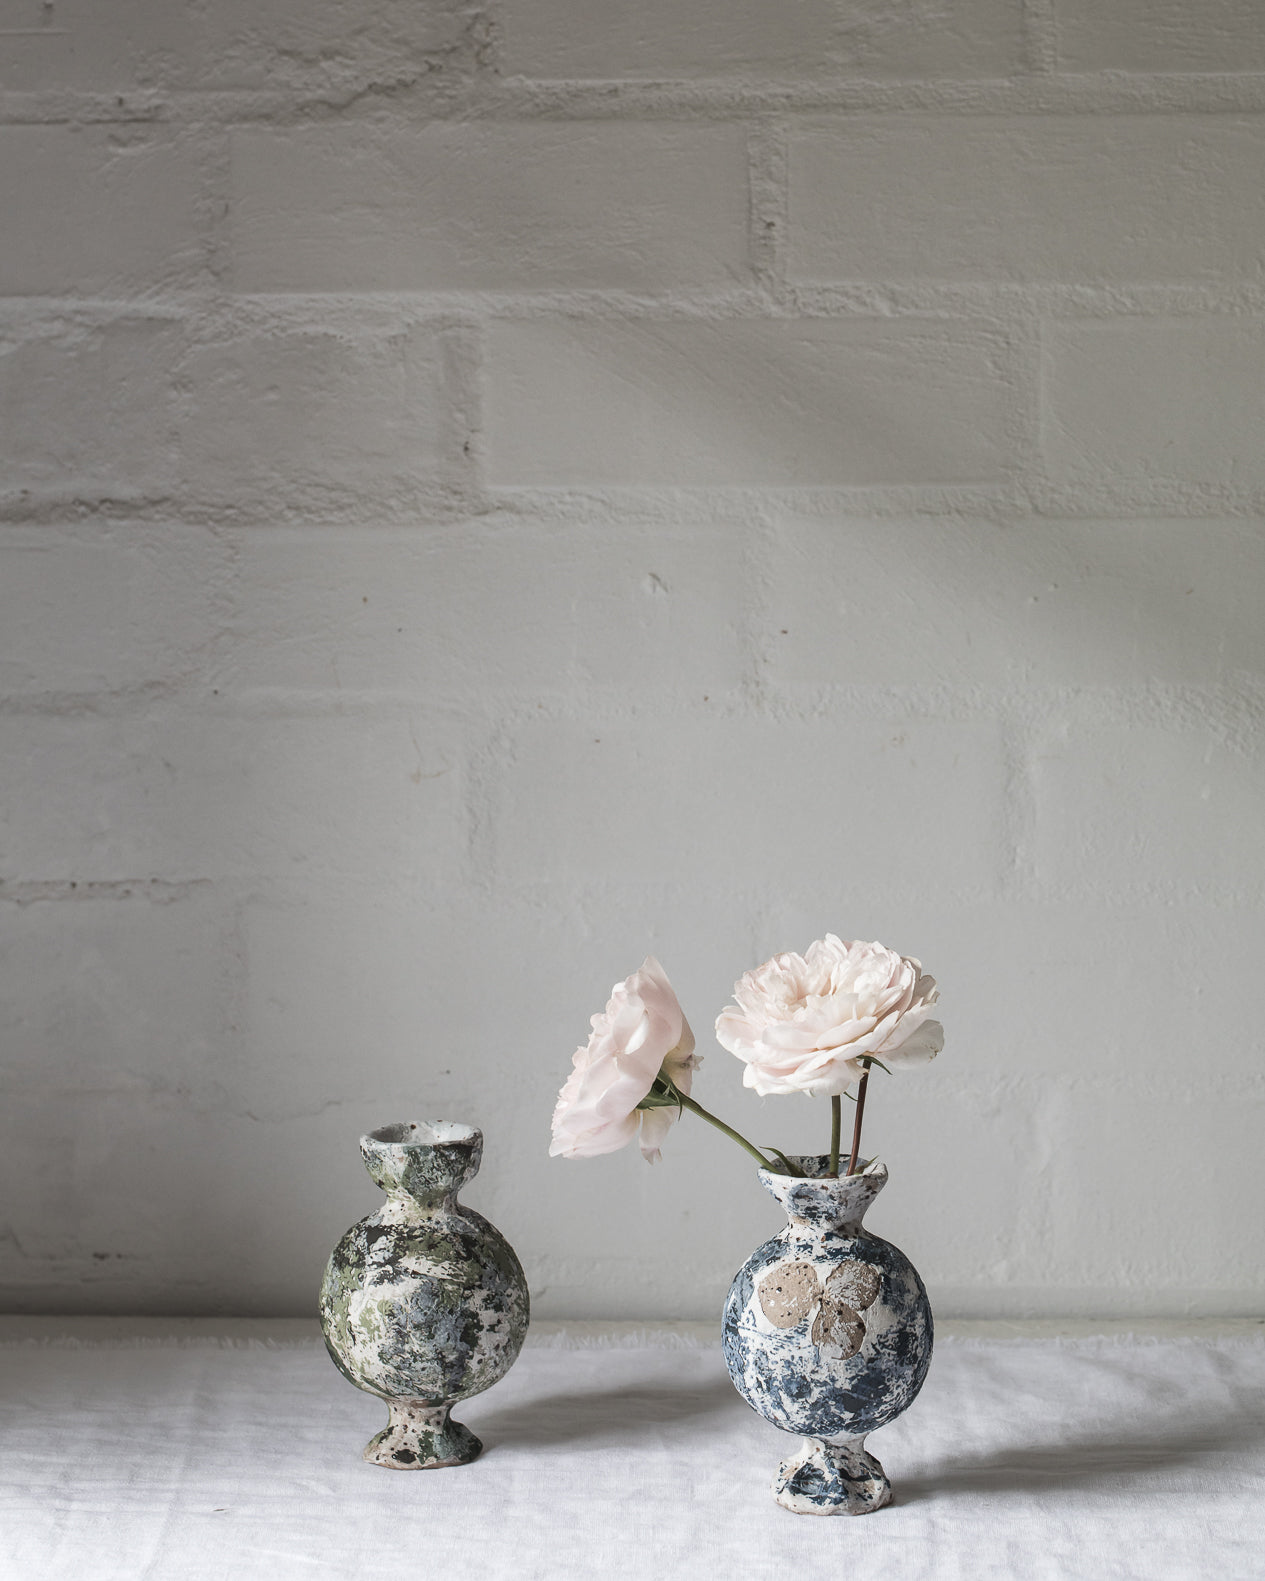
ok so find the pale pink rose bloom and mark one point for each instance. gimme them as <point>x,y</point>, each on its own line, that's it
<point>802,1021</point>
<point>642,1030</point>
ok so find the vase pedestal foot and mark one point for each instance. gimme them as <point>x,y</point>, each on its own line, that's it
<point>831,1479</point>
<point>421,1437</point>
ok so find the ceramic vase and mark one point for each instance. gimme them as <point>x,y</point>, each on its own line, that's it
<point>827,1333</point>
<point>423,1303</point>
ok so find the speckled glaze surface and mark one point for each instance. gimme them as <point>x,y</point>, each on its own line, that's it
<point>424,1302</point>
<point>827,1332</point>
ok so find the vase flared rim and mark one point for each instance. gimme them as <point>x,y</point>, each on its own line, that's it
<point>820,1163</point>
<point>422,1133</point>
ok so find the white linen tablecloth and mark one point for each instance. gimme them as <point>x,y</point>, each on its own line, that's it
<point>152,1450</point>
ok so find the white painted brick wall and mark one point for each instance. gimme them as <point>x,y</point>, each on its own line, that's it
<point>552,827</point>
<point>1076,199</point>
<point>81,44</point>
<point>218,796</point>
<point>184,44</point>
<point>1141,399</point>
<point>87,408</point>
<point>1166,807</point>
<point>104,608</point>
<point>311,412</point>
<point>1160,35</point>
<point>490,490</point>
<point>104,211</point>
<point>801,39</point>
<point>777,401</point>
<point>490,205</point>
<point>1082,603</point>
<point>497,607</point>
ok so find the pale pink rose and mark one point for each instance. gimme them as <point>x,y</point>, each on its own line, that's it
<point>642,1031</point>
<point>803,1021</point>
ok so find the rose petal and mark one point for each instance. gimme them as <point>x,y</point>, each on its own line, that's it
<point>799,1023</point>
<point>641,1028</point>
<point>655,1125</point>
<point>920,1047</point>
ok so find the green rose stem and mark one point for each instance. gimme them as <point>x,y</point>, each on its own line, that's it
<point>854,1161</point>
<point>686,1102</point>
<point>836,1126</point>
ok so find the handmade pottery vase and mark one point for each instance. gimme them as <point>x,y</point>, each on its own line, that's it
<point>423,1303</point>
<point>827,1333</point>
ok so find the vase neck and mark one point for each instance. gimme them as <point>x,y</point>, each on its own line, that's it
<point>818,1202</point>
<point>422,1164</point>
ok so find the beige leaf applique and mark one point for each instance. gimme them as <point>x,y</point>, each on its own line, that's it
<point>838,1330</point>
<point>789,1292</point>
<point>855,1283</point>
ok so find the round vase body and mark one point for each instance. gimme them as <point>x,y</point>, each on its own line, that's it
<point>828,1333</point>
<point>424,1302</point>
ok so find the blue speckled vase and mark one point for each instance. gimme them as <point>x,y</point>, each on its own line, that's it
<point>827,1333</point>
<point>423,1303</point>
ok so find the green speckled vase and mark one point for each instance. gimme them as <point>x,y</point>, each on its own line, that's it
<point>424,1302</point>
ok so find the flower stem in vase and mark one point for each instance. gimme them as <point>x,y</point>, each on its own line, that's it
<point>855,1160</point>
<point>836,1126</point>
<point>695,1107</point>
